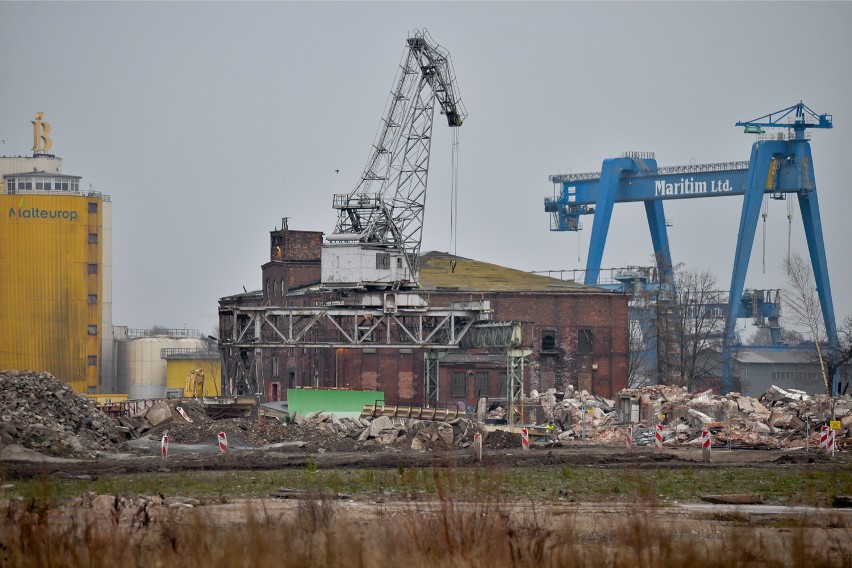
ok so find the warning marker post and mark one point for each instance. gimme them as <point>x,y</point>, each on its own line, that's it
<point>477,445</point>
<point>829,448</point>
<point>658,438</point>
<point>628,439</point>
<point>164,449</point>
<point>705,444</point>
<point>525,439</point>
<point>823,438</point>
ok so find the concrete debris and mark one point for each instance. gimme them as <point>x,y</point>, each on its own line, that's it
<point>779,419</point>
<point>788,422</point>
<point>158,414</point>
<point>700,416</point>
<point>39,412</point>
<point>316,432</point>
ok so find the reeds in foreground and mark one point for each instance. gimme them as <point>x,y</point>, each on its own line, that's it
<point>461,528</point>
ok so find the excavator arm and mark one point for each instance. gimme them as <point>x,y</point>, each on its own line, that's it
<point>194,384</point>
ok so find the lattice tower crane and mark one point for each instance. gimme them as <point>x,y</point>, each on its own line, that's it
<point>376,241</point>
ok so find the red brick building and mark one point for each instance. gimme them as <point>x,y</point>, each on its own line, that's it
<point>578,334</point>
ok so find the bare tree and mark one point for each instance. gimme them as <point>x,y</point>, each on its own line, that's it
<point>762,336</point>
<point>690,328</point>
<point>643,330</point>
<point>804,310</point>
<point>638,363</point>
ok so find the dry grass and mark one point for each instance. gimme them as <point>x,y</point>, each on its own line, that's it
<point>465,526</point>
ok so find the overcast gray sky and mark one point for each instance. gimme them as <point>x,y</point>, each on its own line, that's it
<point>208,122</point>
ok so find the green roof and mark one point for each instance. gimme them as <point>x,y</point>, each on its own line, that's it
<point>436,273</point>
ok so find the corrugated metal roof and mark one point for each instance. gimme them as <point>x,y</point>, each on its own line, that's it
<point>777,357</point>
<point>436,273</point>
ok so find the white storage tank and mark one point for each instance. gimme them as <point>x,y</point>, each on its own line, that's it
<point>141,368</point>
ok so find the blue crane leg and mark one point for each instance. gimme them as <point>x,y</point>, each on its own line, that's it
<point>775,335</point>
<point>809,205</point>
<point>660,240</point>
<point>610,176</point>
<point>761,155</point>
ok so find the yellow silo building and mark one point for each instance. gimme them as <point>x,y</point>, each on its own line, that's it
<point>55,271</point>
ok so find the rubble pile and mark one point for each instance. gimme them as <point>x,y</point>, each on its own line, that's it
<point>257,432</point>
<point>39,411</point>
<point>320,432</point>
<point>419,435</point>
<point>501,440</point>
<point>777,419</point>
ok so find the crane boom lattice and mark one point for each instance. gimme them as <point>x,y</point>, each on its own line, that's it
<point>382,218</point>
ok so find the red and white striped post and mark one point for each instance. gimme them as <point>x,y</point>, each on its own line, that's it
<point>705,444</point>
<point>629,438</point>
<point>164,448</point>
<point>525,439</point>
<point>829,446</point>
<point>477,445</point>
<point>658,438</point>
<point>223,443</point>
<point>823,438</point>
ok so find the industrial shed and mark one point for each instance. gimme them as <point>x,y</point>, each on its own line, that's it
<point>577,334</point>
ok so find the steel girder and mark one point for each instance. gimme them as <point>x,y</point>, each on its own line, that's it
<point>273,327</point>
<point>515,379</point>
<point>431,377</point>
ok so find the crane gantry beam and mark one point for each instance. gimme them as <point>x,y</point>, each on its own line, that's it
<point>778,166</point>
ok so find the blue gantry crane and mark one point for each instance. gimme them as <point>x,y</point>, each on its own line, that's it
<point>780,164</point>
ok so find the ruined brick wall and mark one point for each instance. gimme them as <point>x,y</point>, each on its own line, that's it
<point>295,245</point>
<point>295,261</point>
<point>602,369</point>
<point>397,373</point>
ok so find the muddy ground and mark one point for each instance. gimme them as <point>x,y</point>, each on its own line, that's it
<point>20,463</point>
<point>778,528</point>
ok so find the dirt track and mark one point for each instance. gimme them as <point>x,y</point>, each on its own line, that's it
<point>26,465</point>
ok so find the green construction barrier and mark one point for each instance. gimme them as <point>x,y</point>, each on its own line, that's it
<point>348,403</point>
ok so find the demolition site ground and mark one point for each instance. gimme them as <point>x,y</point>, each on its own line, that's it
<point>78,487</point>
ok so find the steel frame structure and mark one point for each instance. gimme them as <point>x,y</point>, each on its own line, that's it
<point>256,330</point>
<point>328,326</point>
<point>777,167</point>
<point>515,359</point>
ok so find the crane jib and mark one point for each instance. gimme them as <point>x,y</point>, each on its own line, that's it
<point>376,241</point>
